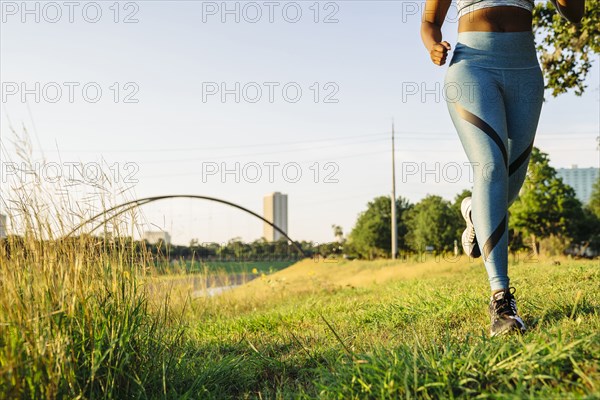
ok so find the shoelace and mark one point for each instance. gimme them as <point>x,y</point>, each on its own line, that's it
<point>472,230</point>
<point>507,304</point>
<point>471,234</point>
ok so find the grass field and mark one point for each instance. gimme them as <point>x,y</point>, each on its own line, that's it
<point>81,324</point>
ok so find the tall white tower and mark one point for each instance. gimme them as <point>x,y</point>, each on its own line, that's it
<point>275,210</point>
<point>393,203</point>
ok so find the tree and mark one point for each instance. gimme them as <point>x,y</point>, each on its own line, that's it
<point>546,206</point>
<point>338,233</point>
<point>589,228</point>
<point>371,235</point>
<point>432,222</point>
<point>594,203</point>
<point>565,48</point>
<point>587,232</point>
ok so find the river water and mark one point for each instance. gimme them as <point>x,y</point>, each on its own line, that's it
<point>208,286</point>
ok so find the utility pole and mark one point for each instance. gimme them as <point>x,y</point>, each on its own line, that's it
<point>394,225</point>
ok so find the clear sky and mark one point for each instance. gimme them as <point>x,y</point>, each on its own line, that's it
<point>190,90</point>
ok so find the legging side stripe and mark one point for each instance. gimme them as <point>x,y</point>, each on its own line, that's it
<point>494,238</point>
<point>485,127</point>
<point>520,160</point>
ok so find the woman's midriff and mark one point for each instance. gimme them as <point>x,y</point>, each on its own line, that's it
<point>496,19</point>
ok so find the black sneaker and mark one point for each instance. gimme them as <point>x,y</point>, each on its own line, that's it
<point>503,313</point>
<point>469,241</point>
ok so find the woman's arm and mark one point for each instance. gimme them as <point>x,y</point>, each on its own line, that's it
<point>572,10</point>
<point>431,29</point>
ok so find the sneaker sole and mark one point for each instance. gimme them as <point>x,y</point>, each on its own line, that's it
<point>513,328</point>
<point>508,331</point>
<point>470,248</point>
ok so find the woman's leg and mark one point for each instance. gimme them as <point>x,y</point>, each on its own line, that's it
<point>496,113</point>
<point>481,121</point>
<point>479,116</point>
<point>523,105</point>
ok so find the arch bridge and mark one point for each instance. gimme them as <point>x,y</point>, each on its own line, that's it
<point>130,205</point>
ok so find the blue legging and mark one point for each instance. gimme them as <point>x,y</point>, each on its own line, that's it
<point>494,90</point>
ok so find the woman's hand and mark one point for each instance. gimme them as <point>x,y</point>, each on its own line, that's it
<point>571,10</point>
<point>431,30</point>
<point>439,52</point>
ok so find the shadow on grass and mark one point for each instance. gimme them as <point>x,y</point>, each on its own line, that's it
<point>516,367</point>
<point>552,316</point>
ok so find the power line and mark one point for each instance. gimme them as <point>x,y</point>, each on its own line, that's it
<point>229,147</point>
<point>448,135</point>
<point>336,145</point>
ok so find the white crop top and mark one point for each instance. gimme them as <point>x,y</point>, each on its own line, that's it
<point>467,6</point>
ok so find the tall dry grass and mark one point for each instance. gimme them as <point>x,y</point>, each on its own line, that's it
<point>76,320</point>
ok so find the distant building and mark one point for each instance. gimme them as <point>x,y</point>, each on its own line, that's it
<point>275,210</point>
<point>153,237</point>
<point>2,226</point>
<point>580,179</point>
